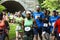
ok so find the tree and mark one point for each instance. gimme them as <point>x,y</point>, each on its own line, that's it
<point>40,1</point>
<point>51,4</point>
<point>2,8</point>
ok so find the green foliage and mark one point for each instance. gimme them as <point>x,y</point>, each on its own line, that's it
<point>51,4</point>
<point>2,8</point>
<point>40,1</point>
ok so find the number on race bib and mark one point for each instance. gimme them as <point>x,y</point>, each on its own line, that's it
<point>36,17</point>
<point>27,28</point>
<point>45,25</point>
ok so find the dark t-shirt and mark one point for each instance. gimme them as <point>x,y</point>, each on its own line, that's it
<point>46,17</point>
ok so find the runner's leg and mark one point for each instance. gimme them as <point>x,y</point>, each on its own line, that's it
<point>17,35</point>
<point>40,33</point>
<point>35,33</point>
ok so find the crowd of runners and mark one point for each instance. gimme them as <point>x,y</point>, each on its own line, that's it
<point>31,24</point>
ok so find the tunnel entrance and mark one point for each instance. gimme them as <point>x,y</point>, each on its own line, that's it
<point>13,6</point>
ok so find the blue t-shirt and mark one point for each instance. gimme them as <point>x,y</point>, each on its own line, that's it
<point>52,20</point>
<point>40,15</point>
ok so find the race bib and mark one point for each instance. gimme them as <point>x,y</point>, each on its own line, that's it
<point>43,32</point>
<point>45,25</point>
<point>27,29</point>
<point>18,27</point>
<point>53,23</point>
<point>59,34</point>
<point>36,17</point>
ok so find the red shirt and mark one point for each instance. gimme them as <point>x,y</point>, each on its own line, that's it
<point>57,24</point>
<point>2,24</point>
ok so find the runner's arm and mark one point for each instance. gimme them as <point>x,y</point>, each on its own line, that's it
<point>55,25</point>
<point>23,24</point>
<point>34,24</point>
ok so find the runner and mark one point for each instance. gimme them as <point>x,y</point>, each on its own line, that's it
<point>38,16</point>
<point>24,14</point>
<point>28,26</point>
<point>19,30</point>
<point>5,17</point>
<point>46,31</point>
<point>8,14</point>
<point>2,27</point>
<point>52,21</point>
<point>11,18</point>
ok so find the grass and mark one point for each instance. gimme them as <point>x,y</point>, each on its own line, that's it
<point>12,31</point>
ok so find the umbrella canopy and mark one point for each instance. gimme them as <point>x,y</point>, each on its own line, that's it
<point>13,6</point>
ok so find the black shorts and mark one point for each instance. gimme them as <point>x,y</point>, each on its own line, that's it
<point>29,32</point>
<point>46,29</point>
<point>37,31</point>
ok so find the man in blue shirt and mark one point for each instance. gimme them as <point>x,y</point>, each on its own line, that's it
<point>38,16</point>
<point>52,21</point>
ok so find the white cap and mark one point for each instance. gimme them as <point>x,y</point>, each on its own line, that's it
<point>37,6</point>
<point>28,12</point>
